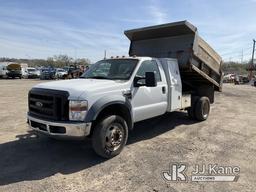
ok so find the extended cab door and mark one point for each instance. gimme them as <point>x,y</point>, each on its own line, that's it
<point>149,102</point>
<point>175,88</point>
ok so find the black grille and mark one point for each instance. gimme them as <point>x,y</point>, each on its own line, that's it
<point>48,104</point>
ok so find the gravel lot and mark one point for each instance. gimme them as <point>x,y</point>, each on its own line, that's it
<point>37,163</point>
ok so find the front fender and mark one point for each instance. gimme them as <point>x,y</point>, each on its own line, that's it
<point>104,102</point>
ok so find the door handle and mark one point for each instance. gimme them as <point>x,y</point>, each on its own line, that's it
<point>163,89</point>
<point>127,93</point>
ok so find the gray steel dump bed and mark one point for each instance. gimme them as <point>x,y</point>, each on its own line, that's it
<point>199,63</point>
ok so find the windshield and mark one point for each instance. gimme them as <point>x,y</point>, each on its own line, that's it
<point>61,70</point>
<point>31,70</point>
<point>120,69</point>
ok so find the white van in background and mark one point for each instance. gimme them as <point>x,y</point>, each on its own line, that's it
<point>3,70</point>
<point>24,72</point>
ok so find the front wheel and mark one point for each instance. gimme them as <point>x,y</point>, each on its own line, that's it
<point>110,136</point>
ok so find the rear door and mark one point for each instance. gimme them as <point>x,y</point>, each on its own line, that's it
<point>175,88</point>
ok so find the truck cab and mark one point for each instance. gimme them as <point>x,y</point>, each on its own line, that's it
<point>107,100</point>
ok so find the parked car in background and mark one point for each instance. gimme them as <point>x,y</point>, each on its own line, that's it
<point>47,73</point>
<point>60,73</point>
<point>3,70</point>
<point>240,79</point>
<point>73,72</point>
<point>245,79</point>
<point>32,73</point>
<point>229,78</point>
<point>14,70</point>
<point>254,83</point>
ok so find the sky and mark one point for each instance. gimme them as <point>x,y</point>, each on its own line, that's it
<point>85,28</point>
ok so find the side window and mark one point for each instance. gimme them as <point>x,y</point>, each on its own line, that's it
<point>149,66</point>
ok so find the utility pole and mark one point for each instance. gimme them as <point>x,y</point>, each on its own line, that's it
<point>251,68</point>
<point>105,54</point>
<point>75,53</point>
<point>242,57</point>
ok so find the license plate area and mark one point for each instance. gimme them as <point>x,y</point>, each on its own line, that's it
<point>36,125</point>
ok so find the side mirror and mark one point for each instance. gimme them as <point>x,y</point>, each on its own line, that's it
<point>137,82</point>
<point>150,79</point>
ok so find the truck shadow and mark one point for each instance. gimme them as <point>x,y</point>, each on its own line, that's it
<point>151,128</point>
<point>34,158</point>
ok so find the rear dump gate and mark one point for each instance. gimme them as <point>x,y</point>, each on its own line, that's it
<point>199,63</point>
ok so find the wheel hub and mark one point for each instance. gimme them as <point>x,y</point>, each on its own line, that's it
<point>205,110</point>
<point>114,137</point>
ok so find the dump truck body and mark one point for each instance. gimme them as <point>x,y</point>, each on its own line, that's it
<point>198,62</point>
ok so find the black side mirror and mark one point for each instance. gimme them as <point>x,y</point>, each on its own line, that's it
<point>150,79</point>
<point>137,82</point>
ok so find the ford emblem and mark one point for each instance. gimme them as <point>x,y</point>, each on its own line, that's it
<point>39,104</point>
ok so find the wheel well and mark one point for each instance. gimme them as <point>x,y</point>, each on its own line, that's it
<point>116,109</point>
<point>206,90</point>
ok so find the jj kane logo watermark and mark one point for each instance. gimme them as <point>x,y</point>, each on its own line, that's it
<point>178,172</point>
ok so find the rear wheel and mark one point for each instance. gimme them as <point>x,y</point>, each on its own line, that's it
<point>191,113</point>
<point>191,110</point>
<point>110,136</point>
<point>202,109</point>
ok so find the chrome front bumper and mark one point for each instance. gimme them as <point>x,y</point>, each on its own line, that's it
<point>59,129</point>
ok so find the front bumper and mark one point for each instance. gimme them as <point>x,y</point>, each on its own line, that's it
<point>60,129</point>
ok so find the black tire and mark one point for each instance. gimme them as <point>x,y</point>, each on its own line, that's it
<point>202,109</point>
<point>191,113</point>
<point>113,127</point>
<point>191,110</point>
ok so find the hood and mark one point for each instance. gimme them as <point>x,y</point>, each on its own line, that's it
<point>85,87</point>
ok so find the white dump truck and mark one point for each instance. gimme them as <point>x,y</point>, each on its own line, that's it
<point>170,68</point>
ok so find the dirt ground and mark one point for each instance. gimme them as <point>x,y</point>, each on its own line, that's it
<point>37,163</point>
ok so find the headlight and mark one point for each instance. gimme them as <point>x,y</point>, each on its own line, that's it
<point>77,110</point>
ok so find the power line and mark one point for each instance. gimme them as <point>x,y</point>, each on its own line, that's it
<point>234,52</point>
<point>239,56</point>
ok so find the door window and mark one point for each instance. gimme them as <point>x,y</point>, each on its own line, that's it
<point>149,66</point>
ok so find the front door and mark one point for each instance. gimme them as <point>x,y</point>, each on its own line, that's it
<point>149,102</point>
